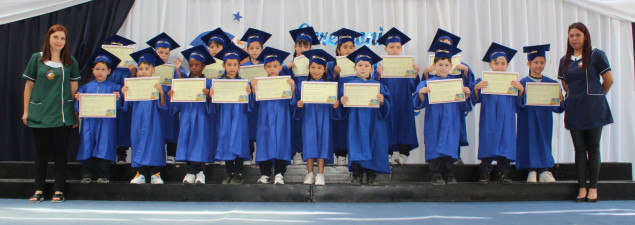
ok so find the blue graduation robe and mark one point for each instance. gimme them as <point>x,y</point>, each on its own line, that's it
<point>233,128</point>
<point>197,134</point>
<point>148,144</point>
<point>367,133</point>
<point>169,122</point>
<point>274,130</point>
<point>98,136</point>
<point>497,125</point>
<point>123,118</point>
<point>535,129</point>
<point>317,130</point>
<point>442,127</point>
<point>340,127</point>
<point>296,130</point>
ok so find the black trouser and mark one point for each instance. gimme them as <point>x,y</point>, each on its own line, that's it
<point>359,171</point>
<point>171,149</point>
<point>147,171</point>
<point>280,167</point>
<point>252,147</point>
<point>539,170</point>
<point>441,166</point>
<point>587,155</point>
<point>194,167</point>
<point>51,141</point>
<point>502,163</point>
<point>341,152</point>
<point>95,168</point>
<point>459,152</point>
<point>403,149</point>
<point>234,166</point>
<point>122,153</point>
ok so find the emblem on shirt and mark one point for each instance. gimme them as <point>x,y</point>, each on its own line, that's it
<point>50,75</point>
<point>580,64</point>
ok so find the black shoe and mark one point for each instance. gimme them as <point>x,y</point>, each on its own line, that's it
<point>591,200</point>
<point>484,178</point>
<point>357,180</point>
<point>504,179</point>
<point>36,198</point>
<point>57,198</point>
<point>437,180</point>
<point>451,180</point>
<point>371,181</point>
<point>237,179</point>
<point>583,199</point>
<point>228,178</point>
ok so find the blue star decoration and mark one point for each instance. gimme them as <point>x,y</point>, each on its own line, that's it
<point>237,16</point>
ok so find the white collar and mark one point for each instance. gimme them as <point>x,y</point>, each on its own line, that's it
<point>573,58</point>
<point>51,63</point>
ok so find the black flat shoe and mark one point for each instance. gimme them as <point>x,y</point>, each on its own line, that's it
<point>36,198</point>
<point>591,200</point>
<point>580,199</point>
<point>57,198</point>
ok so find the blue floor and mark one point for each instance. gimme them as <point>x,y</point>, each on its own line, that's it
<point>19,211</point>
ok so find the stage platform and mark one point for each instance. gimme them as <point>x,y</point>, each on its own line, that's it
<point>407,183</point>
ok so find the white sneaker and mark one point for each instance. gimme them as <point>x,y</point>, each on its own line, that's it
<point>200,178</point>
<point>546,177</point>
<point>309,178</point>
<point>531,178</point>
<point>297,159</point>
<point>391,160</point>
<point>319,180</point>
<point>263,180</point>
<point>278,179</point>
<point>341,160</point>
<point>156,179</point>
<point>138,179</point>
<point>222,163</point>
<point>189,178</point>
<point>401,159</point>
<point>170,160</point>
<point>247,163</point>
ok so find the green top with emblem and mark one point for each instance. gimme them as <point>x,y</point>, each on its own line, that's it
<point>51,103</point>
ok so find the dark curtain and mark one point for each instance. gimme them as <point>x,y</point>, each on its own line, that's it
<point>88,24</point>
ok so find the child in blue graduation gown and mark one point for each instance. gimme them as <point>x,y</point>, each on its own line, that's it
<point>401,120</point>
<point>465,73</point>
<point>148,152</point>
<point>163,44</point>
<point>255,40</point>
<point>535,123</point>
<point>98,136</point>
<point>274,123</point>
<point>442,126</point>
<point>316,119</point>
<point>233,128</point>
<point>304,38</point>
<point>367,132</point>
<point>345,45</point>
<point>497,126</point>
<point>123,118</point>
<point>197,134</point>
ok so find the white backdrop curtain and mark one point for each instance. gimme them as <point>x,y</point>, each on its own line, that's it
<point>513,23</point>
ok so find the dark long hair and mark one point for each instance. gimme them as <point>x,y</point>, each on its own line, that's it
<point>65,55</point>
<point>586,49</point>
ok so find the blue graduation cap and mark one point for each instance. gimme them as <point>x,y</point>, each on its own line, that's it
<point>393,35</point>
<point>217,35</point>
<point>270,54</point>
<point>199,41</point>
<point>497,50</point>
<point>444,50</point>
<point>252,35</point>
<point>364,53</point>
<point>199,53</point>
<point>318,56</point>
<point>117,40</point>
<point>345,35</point>
<point>163,41</point>
<point>147,55</point>
<point>232,51</point>
<point>535,51</point>
<point>442,34</point>
<point>101,55</point>
<point>306,33</point>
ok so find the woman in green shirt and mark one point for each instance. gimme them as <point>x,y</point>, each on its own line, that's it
<point>51,80</point>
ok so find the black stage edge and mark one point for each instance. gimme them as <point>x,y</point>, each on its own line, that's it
<point>407,183</point>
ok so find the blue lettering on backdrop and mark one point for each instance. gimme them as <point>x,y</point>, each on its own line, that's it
<point>367,38</point>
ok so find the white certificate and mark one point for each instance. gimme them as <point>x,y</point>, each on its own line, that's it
<point>319,92</point>
<point>188,90</point>
<point>456,60</point>
<point>542,94</point>
<point>445,91</point>
<point>273,88</point>
<point>398,67</point>
<point>165,73</point>
<point>230,91</point>
<point>301,67</point>
<point>499,83</point>
<point>361,95</point>
<point>214,70</point>
<point>141,89</point>
<point>97,105</point>
<point>253,71</point>
<point>122,52</point>
<point>347,66</point>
